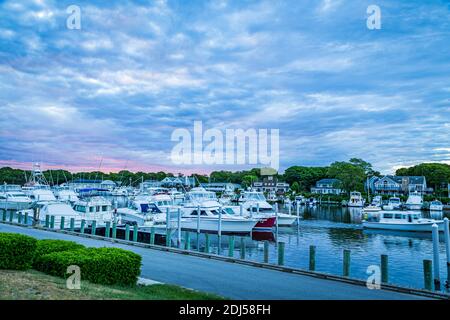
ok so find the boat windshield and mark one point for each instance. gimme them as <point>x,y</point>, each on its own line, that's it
<point>16,194</point>
<point>199,196</point>
<point>394,200</point>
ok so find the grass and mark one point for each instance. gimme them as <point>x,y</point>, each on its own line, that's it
<point>34,285</point>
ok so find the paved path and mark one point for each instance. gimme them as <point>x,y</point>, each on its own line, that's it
<point>227,279</point>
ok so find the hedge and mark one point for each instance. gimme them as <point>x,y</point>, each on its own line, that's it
<point>47,246</point>
<point>16,251</point>
<point>98,265</point>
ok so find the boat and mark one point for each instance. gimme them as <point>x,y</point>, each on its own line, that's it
<point>394,203</point>
<point>66,194</point>
<point>414,202</point>
<point>312,202</point>
<point>208,221</point>
<point>372,208</point>
<point>12,198</point>
<point>301,200</point>
<point>57,209</point>
<point>95,208</point>
<point>401,221</point>
<point>436,205</point>
<point>356,199</point>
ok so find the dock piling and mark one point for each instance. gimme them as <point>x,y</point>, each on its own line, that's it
<point>427,277</point>
<point>219,225</point>
<point>107,229</point>
<point>47,221</point>
<point>168,237</point>
<point>19,218</point>
<point>435,234</point>
<point>52,222</point>
<point>135,233</point>
<point>206,243</point>
<point>384,268</point>
<point>93,227</point>
<point>72,224</point>
<point>179,228</point>
<point>266,251</point>
<point>187,241</point>
<point>242,249</point>
<point>281,246</point>
<point>114,230</point>
<point>4,215</point>
<point>152,235</point>
<point>231,246</point>
<point>25,220</point>
<point>312,258</point>
<point>11,216</point>
<point>198,219</point>
<point>127,232</point>
<point>83,225</point>
<point>62,224</point>
<point>447,248</point>
<point>346,266</point>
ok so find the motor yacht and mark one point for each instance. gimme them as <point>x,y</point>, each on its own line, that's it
<point>356,199</point>
<point>401,221</point>
<point>12,198</point>
<point>414,202</point>
<point>436,205</point>
<point>394,203</point>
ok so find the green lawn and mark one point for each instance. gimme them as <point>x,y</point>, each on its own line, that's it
<point>34,285</point>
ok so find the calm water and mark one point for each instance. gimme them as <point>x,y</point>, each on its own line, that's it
<point>333,229</point>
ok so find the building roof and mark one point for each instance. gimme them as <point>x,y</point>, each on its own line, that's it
<point>328,181</point>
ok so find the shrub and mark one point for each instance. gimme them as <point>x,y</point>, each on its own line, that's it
<point>16,251</point>
<point>98,265</point>
<point>47,246</point>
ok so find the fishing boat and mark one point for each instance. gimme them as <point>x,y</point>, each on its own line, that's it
<point>208,219</point>
<point>436,205</point>
<point>95,208</point>
<point>12,198</point>
<point>66,194</point>
<point>356,199</point>
<point>394,203</point>
<point>401,221</point>
<point>414,202</point>
<point>57,209</point>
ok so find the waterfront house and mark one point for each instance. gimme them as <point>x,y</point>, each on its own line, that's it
<point>395,185</point>
<point>270,184</point>
<point>327,186</point>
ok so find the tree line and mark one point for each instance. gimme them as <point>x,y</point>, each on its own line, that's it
<point>352,175</point>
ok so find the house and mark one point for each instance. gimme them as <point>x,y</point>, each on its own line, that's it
<point>395,185</point>
<point>271,184</point>
<point>178,181</point>
<point>149,184</point>
<point>327,186</point>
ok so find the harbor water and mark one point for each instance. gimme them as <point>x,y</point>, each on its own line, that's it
<point>332,229</point>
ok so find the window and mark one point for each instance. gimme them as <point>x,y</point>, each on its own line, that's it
<point>104,208</point>
<point>398,216</point>
<point>388,215</point>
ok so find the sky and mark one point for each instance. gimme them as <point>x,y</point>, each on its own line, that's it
<point>108,96</point>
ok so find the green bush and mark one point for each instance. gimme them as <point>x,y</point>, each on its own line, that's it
<point>16,251</point>
<point>98,265</point>
<point>47,246</point>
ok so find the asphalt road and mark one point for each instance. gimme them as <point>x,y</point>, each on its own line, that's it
<point>227,279</point>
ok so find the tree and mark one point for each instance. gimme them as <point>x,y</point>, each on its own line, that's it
<point>295,187</point>
<point>306,177</point>
<point>351,176</point>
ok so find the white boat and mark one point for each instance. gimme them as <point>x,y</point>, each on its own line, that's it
<point>66,194</point>
<point>414,202</point>
<point>12,198</point>
<point>372,208</point>
<point>394,203</point>
<point>208,221</point>
<point>436,205</point>
<point>57,209</point>
<point>356,199</point>
<point>95,208</point>
<point>401,221</point>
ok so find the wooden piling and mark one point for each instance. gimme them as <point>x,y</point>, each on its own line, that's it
<point>72,224</point>
<point>206,243</point>
<point>242,249</point>
<point>135,233</point>
<point>47,221</point>
<point>346,264</point>
<point>93,227</point>
<point>114,230</point>
<point>281,246</point>
<point>168,236</point>
<point>83,225</point>
<point>312,258</point>
<point>231,246</point>
<point>152,235</point>
<point>127,232</point>
<point>427,274</point>
<point>384,269</point>
<point>19,218</point>
<point>11,216</point>
<point>436,272</point>
<point>4,215</point>
<point>52,222</point>
<point>266,251</point>
<point>187,241</point>
<point>107,229</point>
<point>61,224</point>
<point>25,220</point>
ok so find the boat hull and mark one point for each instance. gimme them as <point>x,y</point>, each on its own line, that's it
<point>286,220</point>
<point>9,205</point>
<point>265,224</point>
<point>212,225</point>
<point>415,227</point>
<point>413,206</point>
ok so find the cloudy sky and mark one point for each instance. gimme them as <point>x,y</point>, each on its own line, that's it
<point>110,94</point>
